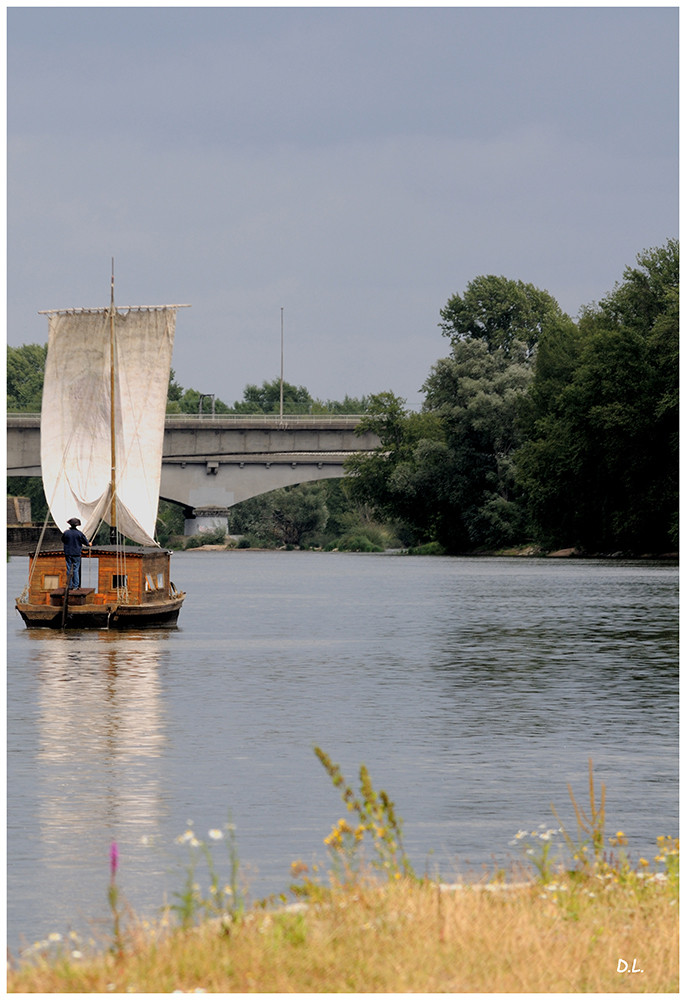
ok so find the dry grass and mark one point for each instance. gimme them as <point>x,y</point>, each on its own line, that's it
<point>405,936</point>
<point>600,927</point>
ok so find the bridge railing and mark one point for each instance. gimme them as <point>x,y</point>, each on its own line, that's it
<point>254,418</point>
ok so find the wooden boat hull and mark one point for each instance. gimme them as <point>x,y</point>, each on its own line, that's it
<point>152,600</point>
<point>115,616</point>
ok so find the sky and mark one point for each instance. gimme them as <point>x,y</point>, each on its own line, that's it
<point>347,168</point>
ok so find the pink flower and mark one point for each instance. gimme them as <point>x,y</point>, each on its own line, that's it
<point>114,858</point>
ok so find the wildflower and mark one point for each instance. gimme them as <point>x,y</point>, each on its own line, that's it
<point>642,861</point>
<point>114,859</point>
<point>54,936</point>
<point>188,838</point>
<point>215,834</point>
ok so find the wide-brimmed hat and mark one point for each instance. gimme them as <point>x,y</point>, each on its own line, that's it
<point>73,521</point>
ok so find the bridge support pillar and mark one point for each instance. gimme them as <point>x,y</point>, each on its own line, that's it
<point>206,519</point>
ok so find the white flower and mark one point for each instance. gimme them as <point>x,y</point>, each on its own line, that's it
<point>215,834</point>
<point>188,838</point>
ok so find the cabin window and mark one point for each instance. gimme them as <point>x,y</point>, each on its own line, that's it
<point>50,582</point>
<point>160,581</point>
<point>120,582</point>
<point>154,582</point>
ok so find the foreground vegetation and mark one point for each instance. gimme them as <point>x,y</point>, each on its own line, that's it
<point>592,922</point>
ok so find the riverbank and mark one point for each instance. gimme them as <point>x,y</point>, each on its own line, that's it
<point>517,552</point>
<point>603,935</point>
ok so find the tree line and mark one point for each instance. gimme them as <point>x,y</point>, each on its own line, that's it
<point>535,428</point>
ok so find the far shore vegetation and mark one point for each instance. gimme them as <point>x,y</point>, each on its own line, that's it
<point>575,914</point>
<point>538,432</point>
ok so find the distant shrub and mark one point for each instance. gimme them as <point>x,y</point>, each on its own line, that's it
<point>428,549</point>
<point>216,537</point>
<point>356,543</point>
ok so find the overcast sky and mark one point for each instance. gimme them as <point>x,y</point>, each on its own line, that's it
<point>354,166</point>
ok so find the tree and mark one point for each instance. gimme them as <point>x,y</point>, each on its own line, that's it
<point>476,392</point>
<point>499,311</point>
<point>449,472</point>
<point>349,404</point>
<point>267,398</point>
<point>25,373</point>
<point>394,479</point>
<point>284,516</point>
<point>600,468</point>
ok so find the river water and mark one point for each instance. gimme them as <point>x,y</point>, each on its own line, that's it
<point>473,689</point>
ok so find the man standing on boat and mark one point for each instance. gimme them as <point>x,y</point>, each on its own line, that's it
<point>73,541</point>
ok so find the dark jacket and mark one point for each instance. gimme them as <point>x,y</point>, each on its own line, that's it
<point>73,541</point>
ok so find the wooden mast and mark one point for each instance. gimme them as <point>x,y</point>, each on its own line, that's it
<point>113,453</point>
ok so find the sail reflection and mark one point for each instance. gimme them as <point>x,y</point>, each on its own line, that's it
<point>101,734</point>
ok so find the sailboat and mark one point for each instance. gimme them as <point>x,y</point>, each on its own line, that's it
<point>102,429</point>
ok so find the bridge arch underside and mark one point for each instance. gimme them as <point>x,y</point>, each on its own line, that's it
<point>211,465</point>
<point>207,489</point>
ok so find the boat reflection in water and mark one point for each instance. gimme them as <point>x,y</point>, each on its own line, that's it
<point>101,737</point>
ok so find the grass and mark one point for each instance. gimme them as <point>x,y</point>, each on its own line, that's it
<point>367,924</point>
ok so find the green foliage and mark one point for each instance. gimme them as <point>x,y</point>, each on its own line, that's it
<point>192,401</point>
<point>477,392</point>
<point>355,543</point>
<point>536,427</point>
<point>429,549</point>
<point>349,404</point>
<point>25,372</point>
<point>500,313</point>
<point>397,481</point>
<point>216,537</point>
<point>448,471</point>
<point>219,900</point>
<point>170,521</point>
<point>266,398</point>
<point>289,516</point>
<point>599,469</point>
<point>31,487</point>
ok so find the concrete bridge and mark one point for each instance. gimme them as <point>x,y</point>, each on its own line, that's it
<point>210,463</point>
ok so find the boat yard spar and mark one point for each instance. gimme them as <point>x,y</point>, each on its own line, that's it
<point>102,430</point>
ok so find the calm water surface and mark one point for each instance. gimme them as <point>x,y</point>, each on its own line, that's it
<point>473,689</point>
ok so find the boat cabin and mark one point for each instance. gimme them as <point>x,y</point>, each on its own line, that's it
<point>109,575</point>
